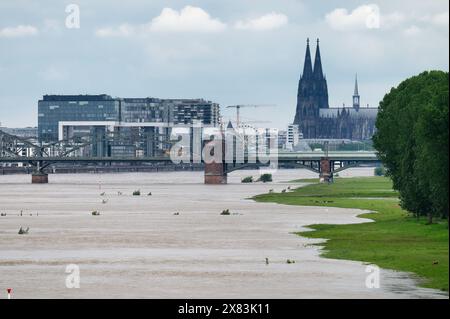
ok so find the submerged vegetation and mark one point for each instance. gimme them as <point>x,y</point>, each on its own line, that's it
<point>265,178</point>
<point>248,179</point>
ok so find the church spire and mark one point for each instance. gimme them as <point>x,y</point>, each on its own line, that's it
<point>356,85</point>
<point>307,68</point>
<point>318,73</point>
<point>356,99</point>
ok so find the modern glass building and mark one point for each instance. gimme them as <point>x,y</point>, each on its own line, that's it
<point>53,109</point>
<point>120,126</point>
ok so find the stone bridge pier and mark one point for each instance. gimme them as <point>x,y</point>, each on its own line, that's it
<point>215,173</point>
<point>39,178</point>
<point>326,170</point>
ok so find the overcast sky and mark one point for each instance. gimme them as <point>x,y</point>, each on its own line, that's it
<point>230,52</point>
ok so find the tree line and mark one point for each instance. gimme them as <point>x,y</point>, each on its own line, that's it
<point>412,142</point>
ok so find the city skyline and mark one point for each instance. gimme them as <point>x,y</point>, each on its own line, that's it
<point>231,54</point>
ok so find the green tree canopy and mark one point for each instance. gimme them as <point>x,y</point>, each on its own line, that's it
<point>412,141</point>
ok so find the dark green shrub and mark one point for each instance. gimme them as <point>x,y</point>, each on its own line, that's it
<point>265,178</point>
<point>380,171</point>
<point>248,179</point>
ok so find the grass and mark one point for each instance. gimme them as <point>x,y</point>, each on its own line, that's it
<point>305,180</point>
<point>395,240</point>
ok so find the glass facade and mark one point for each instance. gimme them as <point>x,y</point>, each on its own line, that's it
<point>120,126</point>
<point>55,108</point>
<point>137,110</point>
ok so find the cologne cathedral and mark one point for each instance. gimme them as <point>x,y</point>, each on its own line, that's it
<point>317,120</point>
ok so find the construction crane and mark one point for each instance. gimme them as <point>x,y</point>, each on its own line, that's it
<point>238,107</point>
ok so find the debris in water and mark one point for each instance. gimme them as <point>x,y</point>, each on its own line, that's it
<point>23,231</point>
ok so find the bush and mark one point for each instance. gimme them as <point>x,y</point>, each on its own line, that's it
<point>248,179</point>
<point>225,212</point>
<point>379,171</point>
<point>265,178</point>
<point>95,213</point>
<point>137,193</point>
<point>23,231</point>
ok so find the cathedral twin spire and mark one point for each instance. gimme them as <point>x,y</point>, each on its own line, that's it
<point>307,67</point>
<point>308,70</point>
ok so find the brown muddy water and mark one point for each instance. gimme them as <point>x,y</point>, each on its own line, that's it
<point>140,248</point>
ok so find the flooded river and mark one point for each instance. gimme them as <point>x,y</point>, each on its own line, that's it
<point>174,243</point>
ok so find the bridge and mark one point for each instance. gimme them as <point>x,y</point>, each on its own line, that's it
<point>14,149</point>
<point>326,164</point>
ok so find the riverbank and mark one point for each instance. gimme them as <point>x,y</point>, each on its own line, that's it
<point>394,240</point>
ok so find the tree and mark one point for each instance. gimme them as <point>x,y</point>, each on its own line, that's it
<point>412,142</point>
<point>433,147</point>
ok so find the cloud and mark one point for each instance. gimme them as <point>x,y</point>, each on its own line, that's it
<point>369,17</point>
<point>52,26</point>
<point>363,17</point>
<point>440,19</point>
<point>53,73</point>
<point>412,31</point>
<point>434,20</point>
<point>189,19</point>
<point>19,31</point>
<point>392,20</point>
<point>266,22</point>
<point>123,30</point>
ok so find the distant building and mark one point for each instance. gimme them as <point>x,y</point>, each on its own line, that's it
<point>25,132</point>
<point>282,138</point>
<point>317,120</point>
<point>120,126</point>
<point>292,137</point>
